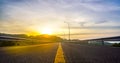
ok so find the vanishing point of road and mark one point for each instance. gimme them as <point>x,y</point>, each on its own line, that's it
<point>59,53</point>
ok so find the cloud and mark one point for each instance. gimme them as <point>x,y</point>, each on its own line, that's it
<point>95,27</point>
<point>100,22</point>
<point>82,24</point>
<point>102,7</point>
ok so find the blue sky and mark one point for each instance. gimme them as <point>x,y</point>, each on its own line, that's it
<point>87,18</point>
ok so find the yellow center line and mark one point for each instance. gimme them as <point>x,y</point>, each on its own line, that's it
<point>59,56</point>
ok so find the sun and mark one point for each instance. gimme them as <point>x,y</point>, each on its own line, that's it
<point>47,31</point>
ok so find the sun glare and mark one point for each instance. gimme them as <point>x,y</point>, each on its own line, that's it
<point>46,31</point>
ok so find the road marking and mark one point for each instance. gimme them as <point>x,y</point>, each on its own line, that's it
<point>59,55</point>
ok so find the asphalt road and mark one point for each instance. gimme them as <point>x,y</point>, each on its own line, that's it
<point>44,53</point>
<point>76,53</point>
<point>67,53</point>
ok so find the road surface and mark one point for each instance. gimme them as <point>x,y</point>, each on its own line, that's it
<point>76,53</point>
<point>44,53</point>
<point>59,53</point>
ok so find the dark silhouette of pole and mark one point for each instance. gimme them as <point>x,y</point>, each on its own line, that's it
<point>68,30</point>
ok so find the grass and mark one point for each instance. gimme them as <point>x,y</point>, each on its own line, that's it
<point>29,41</point>
<point>23,42</point>
<point>116,45</point>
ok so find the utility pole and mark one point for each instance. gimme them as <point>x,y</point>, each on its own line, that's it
<point>68,30</point>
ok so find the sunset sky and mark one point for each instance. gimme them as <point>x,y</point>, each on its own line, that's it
<point>87,18</point>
